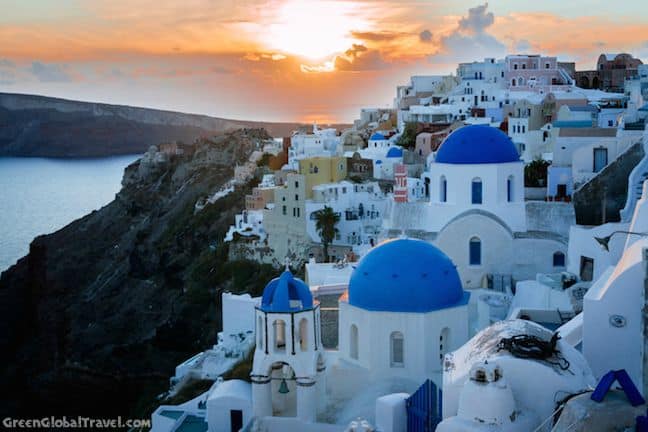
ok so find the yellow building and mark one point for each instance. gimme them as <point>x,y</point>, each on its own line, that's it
<point>319,170</point>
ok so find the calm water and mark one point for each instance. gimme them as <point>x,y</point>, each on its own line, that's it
<point>39,196</point>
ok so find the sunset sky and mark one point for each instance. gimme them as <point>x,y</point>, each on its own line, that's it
<point>283,60</point>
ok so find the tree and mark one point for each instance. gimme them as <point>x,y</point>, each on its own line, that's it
<point>408,137</point>
<point>325,221</point>
<point>535,173</point>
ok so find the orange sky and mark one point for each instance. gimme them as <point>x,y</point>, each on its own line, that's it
<point>316,60</point>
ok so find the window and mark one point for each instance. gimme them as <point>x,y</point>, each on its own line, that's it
<point>529,112</point>
<point>396,346</point>
<point>296,197</point>
<point>513,82</point>
<point>444,343</point>
<point>443,192</point>
<point>475,251</point>
<point>477,191</point>
<point>303,334</point>
<point>279,335</point>
<point>353,342</point>
<point>509,189</point>
<point>515,66</point>
<point>523,65</point>
<point>586,268</point>
<point>260,333</point>
<point>283,210</point>
<point>296,184</point>
<point>547,65</point>
<point>558,259</point>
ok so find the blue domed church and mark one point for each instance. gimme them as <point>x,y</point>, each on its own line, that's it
<point>405,310</point>
<point>474,210</point>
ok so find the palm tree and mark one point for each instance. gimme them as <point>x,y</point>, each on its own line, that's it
<point>325,221</point>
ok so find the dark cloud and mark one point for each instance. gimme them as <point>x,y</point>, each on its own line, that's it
<point>425,36</point>
<point>381,36</point>
<point>49,72</point>
<point>478,19</point>
<point>359,58</point>
<point>355,50</point>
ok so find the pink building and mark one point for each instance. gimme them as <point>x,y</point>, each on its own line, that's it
<point>535,73</point>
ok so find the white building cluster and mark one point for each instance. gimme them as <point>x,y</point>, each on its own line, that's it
<point>472,307</point>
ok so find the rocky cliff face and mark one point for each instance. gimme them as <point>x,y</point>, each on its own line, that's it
<point>50,127</point>
<point>96,316</point>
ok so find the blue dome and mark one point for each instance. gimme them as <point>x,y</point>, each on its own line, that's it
<point>377,137</point>
<point>286,294</point>
<point>406,275</point>
<point>477,144</point>
<point>395,152</point>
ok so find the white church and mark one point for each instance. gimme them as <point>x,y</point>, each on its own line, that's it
<point>475,211</point>
<point>409,353</point>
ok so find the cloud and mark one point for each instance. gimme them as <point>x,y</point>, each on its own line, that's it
<point>7,77</point>
<point>6,63</point>
<point>360,58</point>
<point>522,45</point>
<point>379,36</point>
<point>469,40</point>
<point>49,72</point>
<point>477,20</point>
<point>425,36</point>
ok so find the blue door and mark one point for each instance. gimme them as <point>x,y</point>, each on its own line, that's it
<point>600,159</point>
<point>424,408</point>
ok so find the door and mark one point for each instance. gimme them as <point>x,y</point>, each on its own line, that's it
<point>236,420</point>
<point>586,268</point>
<point>561,190</point>
<point>600,159</point>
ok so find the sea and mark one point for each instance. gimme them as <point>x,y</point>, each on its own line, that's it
<point>41,195</point>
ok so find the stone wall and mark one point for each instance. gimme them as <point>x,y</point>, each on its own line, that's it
<point>610,186</point>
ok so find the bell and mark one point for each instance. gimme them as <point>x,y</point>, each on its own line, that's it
<point>283,387</point>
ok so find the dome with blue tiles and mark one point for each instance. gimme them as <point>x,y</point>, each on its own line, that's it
<point>286,294</point>
<point>406,275</point>
<point>395,152</point>
<point>477,144</point>
<point>377,137</point>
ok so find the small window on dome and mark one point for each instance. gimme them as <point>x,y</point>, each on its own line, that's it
<point>559,259</point>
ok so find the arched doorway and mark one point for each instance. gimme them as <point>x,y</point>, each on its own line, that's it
<point>583,82</point>
<point>595,82</point>
<point>283,390</point>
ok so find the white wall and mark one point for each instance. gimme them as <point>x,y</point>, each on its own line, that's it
<point>420,331</point>
<point>618,292</point>
<point>238,313</point>
<point>494,192</point>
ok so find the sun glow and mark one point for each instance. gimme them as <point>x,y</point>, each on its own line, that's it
<point>314,29</point>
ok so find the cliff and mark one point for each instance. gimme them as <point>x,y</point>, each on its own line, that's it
<point>42,126</point>
<point>96,316</point>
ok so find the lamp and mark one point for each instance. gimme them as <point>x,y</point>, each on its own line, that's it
<point>605,241</point>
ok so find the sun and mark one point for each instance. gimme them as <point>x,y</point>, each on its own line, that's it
<point>314,29</point>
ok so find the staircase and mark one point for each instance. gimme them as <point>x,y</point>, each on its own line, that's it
<point>635,183</point>
<point>565,76</point>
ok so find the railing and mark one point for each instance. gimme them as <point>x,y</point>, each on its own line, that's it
<point>635,180</point>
